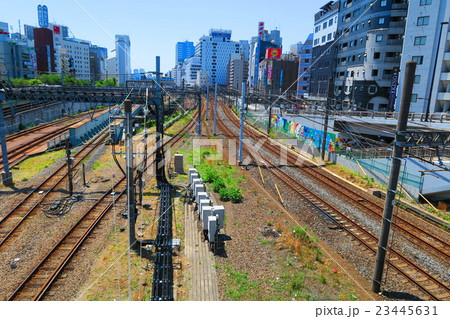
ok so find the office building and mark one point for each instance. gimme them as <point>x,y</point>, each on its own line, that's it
<point>276,76</point>
<point>427,41</point>
<point>237,71</point>
<point>323,50</point>
<point>258,47</point>
<point>190,68</point>
<point>368,53</point>
<point>112,68</point>
<point>98,57</point>
<point>214,53</point>
<point>123,56</point>
<point>45,50</point>
<point>202,79</point>
<point>304,64</point>
<point>183,51</point>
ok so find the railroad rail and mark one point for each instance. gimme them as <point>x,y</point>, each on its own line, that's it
<point>17,135</point>
<point>11,222</point>
<point>20,152</point>
<point>37,284</point>
<point>432,287</point>
<point>431,242</point>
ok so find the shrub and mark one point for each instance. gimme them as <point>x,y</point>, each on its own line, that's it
<point>224,195</point>
<point>235,195</point>
<point>218,184</point>
<point>211,175</point>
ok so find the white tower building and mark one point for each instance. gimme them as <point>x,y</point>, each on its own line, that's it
<point>214,52</point>
<point>123,56</point>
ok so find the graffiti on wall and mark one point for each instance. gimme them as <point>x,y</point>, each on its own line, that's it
<point>310,135</point>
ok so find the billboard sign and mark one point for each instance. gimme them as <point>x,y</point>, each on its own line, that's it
<point>56,29</point>
<point>393,89</point>
<point>273,53</point>
<point>40,16</point>
<point>33,60</point>
<point>260,28</point>
<point>269,73</point>
<point>45,16</point>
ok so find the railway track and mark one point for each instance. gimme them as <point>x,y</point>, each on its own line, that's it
<point>431,242</point>
<point>14,136</point>
<point>431,287</point>
<point>18,153</point>
<point>13,220</point>
<point>37,284</point>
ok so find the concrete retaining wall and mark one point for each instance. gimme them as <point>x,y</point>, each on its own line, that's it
<point>85,130</point>
<point>46,114</point>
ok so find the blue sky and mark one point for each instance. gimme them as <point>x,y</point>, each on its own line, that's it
<point>155,26</point>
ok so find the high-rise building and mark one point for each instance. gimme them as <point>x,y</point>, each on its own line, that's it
<point>427,41</point>
<point>237,71</point>
<point>277,75</point>
<point>73,57</point>
<point>258,47</point>
<point>183,51</point>
<point>17,55</point>
<point>98,57</point>
<point>45,50</point>
<point>176,74</point>
<point>214,53</point>
<point>123,56</point>
<point>190,68</point>
<point>4,32</point>
<point>112,68</point>
<point>29,31</point>
<point>304,64</point>
<point>323,52</point>
<point>368,53</point>
<point>202,79</point>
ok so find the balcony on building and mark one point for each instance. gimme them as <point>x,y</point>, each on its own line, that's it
<point>392,59</point>
<point>443,96</point>
<point>447,56</point>
<point>445,76</point>
<point>397,24</point>
<point>400,5</point>
<point>394,41</point>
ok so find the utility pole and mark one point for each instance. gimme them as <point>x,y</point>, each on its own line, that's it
<point>241,135</point>
<point>270,119</point>
<point>69,167</point>
<point>394,174</point>
<point>199,127</point>
<point>131,201</point>
<point>215,109</point>
<point>160,161</point>
<point>207,102</point>
<point>7,179</point>
<point>325,124</point>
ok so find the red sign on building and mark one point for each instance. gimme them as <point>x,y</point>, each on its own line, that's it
<point>56,29</point>
<point>260,28</point>
<point>273,53</point>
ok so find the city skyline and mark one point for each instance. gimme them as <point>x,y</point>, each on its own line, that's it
<point>201,16</point>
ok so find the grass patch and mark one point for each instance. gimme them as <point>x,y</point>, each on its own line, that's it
<point>356,178</point>
<point>223,179</point>
<point>175,128</point>
<point>34,165</point>
<point>99,166</point>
